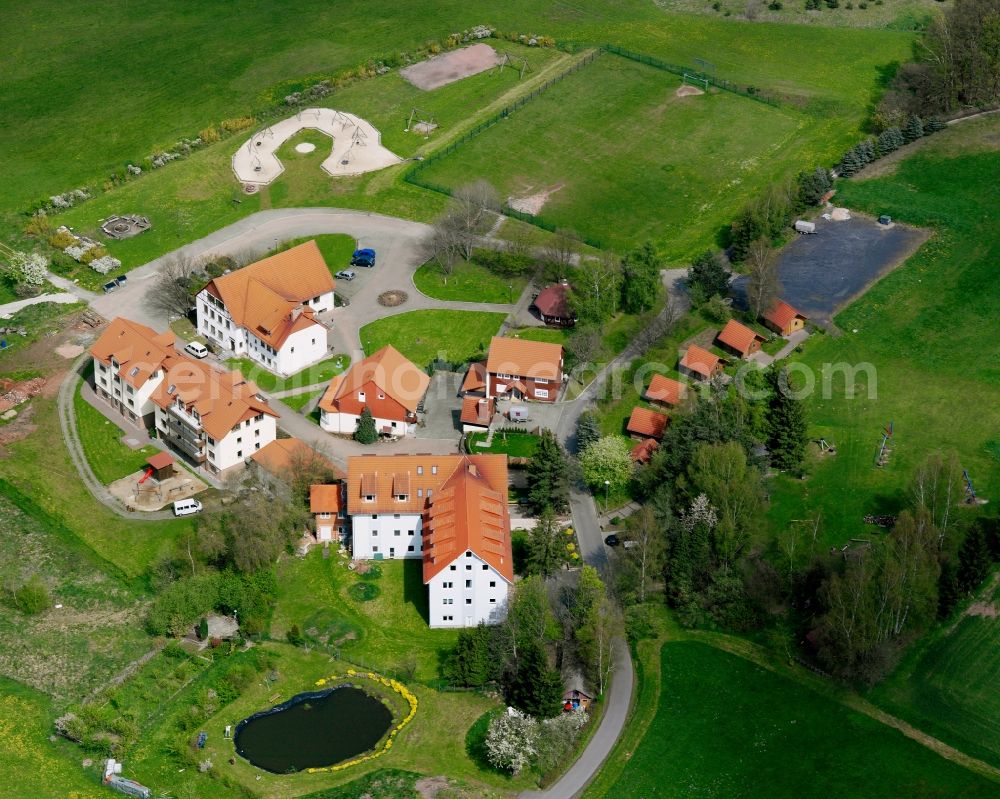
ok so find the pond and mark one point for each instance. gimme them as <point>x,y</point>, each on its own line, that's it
<point>313,730</point>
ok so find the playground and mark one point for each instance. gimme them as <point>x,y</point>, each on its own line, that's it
<point>158,484</point>
<point>356,149</point>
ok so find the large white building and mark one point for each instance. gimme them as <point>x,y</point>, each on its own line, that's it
<point>213,419</point>
<point>266,311</point>
<point>390,386</point>
<point>449,510</point>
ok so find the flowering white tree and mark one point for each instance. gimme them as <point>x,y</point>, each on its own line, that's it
<point>512,740</point>
<point>607,460</point>
<point>28,268</point>
<point>700,512</point>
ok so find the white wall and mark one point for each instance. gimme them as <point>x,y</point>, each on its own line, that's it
<point>370,536</point>
<point>217,325</point>
<point>301,349</point>
<point>107,378</point>
<point>347,423</point>
<point>324,303</point>
<point>239,444</point>
<point>468,605</point>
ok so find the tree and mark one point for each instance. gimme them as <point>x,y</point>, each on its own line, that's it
<point>766,217</point>
<point>535,687</point>
<point>471,663</point>
<point>256,532</point>
<point>28,268</point>
<point>813,185</point>
<point>936,488</point>
<point>529,619</point>
<point>763,284</point>
<point>548,479</point>
<point>595,623</point>
<point>588,430</point>
<point>469,207</point>
<point>888,141</point>
<point>561,252</point>
<point>585,345</point>
<point>974,560</point>
<point>366,432</point>
<point>851,163</point>
<point>649,543</point>
<point>914,129</point>
<point>640,279</point>
<point>708,277</point>
<point>444,245</point>
<point>786,421</point>
<point>607,460</point>
<point>170,294</point>
<point>545,549</point>
<point>596,289</point>
<point>511,741</point>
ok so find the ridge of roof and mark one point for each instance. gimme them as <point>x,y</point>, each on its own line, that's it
<point>524,358</point>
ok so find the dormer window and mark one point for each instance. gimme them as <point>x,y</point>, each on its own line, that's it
<point>402,497</point>
<point>361,396</point>
<point>420,470</point>
<point>369,497</point>
<point>171,388</point>
<point>381,395</point>
<point>434,469</point>
<point>134,371</point>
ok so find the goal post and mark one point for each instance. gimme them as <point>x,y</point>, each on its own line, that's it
<point>695,80</point>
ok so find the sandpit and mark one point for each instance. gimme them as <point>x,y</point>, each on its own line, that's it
<point>688,91</point>
<point>305,147</point>
<point>532,203</point>
<point>357,146</point>
<point>840,215</point>
<point>450,67</point>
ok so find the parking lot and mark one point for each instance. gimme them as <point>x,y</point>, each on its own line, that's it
<point>822,272</point>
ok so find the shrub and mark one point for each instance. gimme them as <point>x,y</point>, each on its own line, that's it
<point>38,225</point>
<point>832,3</point>
<point>236,124</point>
<point>203,628</point>
<point>717,310</point>
<point>209,134</point>
<point>93,254</point>
<point>294,636</point>
<point>363,591</point>
<point>62,239</point>
<point>32,597</point>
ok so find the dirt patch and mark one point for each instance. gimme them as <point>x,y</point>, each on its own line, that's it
<point>69,351</point>
<point>450,67</point>
<point>533,203</point>
<point>688,91</point>
<point>392,298</point>
<point>986,610</point>
<point>430,787</point>
<point>14,393</point>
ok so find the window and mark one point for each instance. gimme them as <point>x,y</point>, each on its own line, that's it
<point>447,618</point>
<point>420,492</point>
<point>504,376</point>
<point>239,454</point>
<point>453,567</point>
<point>324,515</point>
<point>468,553</point>
<point>411,532</point>
<point>420,470</point>
<point>257,434</point>
<point>493,583</point>
<point>468,583</point>
<point>493,600</point>
<point>239,439</point>
<point>361,396</point>
<point>430,493</point>
<point>542,392</point>
<point>539,381</point>
<point>447,584</point>
<point>381,395</point>
<point>485,567</point>
<point>293,349</point>
<point>374,532</point>
<point>396,532</point>
<point>468,601</point>
<point>375,549</point>
<point>500,388</point>
<point>374,515</point>
<point>314,341</point>
<point>468,567</point>
<point>257,445</point>
<point>434,469</point>
<point>409,548</point>
<point>448,601</point>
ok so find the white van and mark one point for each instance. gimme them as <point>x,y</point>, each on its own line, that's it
<point>185,507</point>
<point>197,349</point>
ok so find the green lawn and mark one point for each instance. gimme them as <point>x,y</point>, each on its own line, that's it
<point>614,132</point>
<point>336,248</point>
<point>726,727</point>
<point>514,445</point>
<point>27,758</point>
<point>423,336</point>
<point>947,686</point>
<point>550,335</point>
<point>468,282</point>
<point>102,443</point>
<point>921,331</point>
<point>312,375</point>
<point>299,401</point>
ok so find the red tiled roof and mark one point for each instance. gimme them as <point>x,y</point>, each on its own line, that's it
<point>468,514</point>
<point>475,378</point>
<point>643,451</point>
<point>478,410</point>
<point>524,358</point>
<point>700,361</point>
<point>160,460</point>
<point>666,390</point>
<point>326,498</point>
<point>392,385</point>
<point>139,350</point>
<point>554,301</point>
<point>280,455</point>
<point>781,314</point>
<point>644,422</point>
<point>739,337</point>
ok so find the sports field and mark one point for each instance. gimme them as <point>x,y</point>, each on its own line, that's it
<point>921,330</point>
<point>726,727</point>
<point>622,159</point>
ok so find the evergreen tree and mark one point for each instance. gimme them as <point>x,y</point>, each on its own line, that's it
<point>934,124</point>
<point>786,422</point>
<point>948,590</point>
<point>851,163</point>
<point>708,277</point>
<point>535,688</point>
<point>545,552</point>
<point>471,663</point>
<point>366,433</point>
<point>588,430</point>
<point>973,560</point>
<point>886,142</point>
<point>548,479</point>
<point>866,151</point>
<point>640,279</point>
<point>914,129</point>
<point>812,186</point>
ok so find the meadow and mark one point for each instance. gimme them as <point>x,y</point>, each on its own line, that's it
<point>727,727</point>
<point>921,329</point>
<point>423,336</point>
<point>468,282</point>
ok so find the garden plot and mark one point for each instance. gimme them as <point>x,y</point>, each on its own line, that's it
<point>612,152</point>
<point>449,67</point>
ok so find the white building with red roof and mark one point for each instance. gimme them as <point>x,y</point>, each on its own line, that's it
<point>267,310</point>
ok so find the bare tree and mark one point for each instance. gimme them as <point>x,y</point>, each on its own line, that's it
<point>763,286</point>
<point>597,288</point>
<point>606,626</point>
<point>659,325</point>
<point>469,207</point>
<point>649,545</point>
<point>170,294</point>
<point>445,245</point>
<point>562,251</point>
<point>936,489</point>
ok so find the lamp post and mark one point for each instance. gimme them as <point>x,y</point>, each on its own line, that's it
<point>607,491</point>
<point>510,293</point>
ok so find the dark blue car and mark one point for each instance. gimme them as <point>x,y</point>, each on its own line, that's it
<point>364,257</point>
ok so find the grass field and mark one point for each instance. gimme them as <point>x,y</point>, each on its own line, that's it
<point>515,445</point>
<point>336,248</point>
<point>947,685</point>
<point>626,160</point>
<point>102,443</point>
<point>422,336</point>
<point>311,375</point>
<point>468,282</point>
<point>299,401</point>
<point>894,14</point>
<point>921,329</point>
<point>726,727</point>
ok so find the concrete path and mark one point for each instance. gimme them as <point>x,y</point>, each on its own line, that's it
<point>618,702</point>
<point>792,342</point>
<point>9,309</point>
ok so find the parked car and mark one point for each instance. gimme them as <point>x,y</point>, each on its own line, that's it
<point>185,507</point>
<point>612,540</point>
<point>346,274</point>
<point>196,349</point>
<point>363,257</point>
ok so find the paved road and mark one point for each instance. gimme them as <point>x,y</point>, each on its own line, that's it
<point>9,309</point>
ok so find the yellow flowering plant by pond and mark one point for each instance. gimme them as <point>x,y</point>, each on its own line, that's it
<point>394,685</point>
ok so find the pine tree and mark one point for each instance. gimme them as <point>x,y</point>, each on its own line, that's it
<point>973,560</point>
<point>707,276</point>
<point>897,137</point>
<point>866,151</point>
<point>588,430</point>
<point>470,663</point>
<point>914,129</point>
<point>366,433</point>
<point>886,142</point>
<point>934,124</point>
<point>786,420</point>
<point>948,591</point>
<point>850,164</point>
<point>545,552</point>
<point>536,688</point>
<point>548,480</point>
<point>812,186</point>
